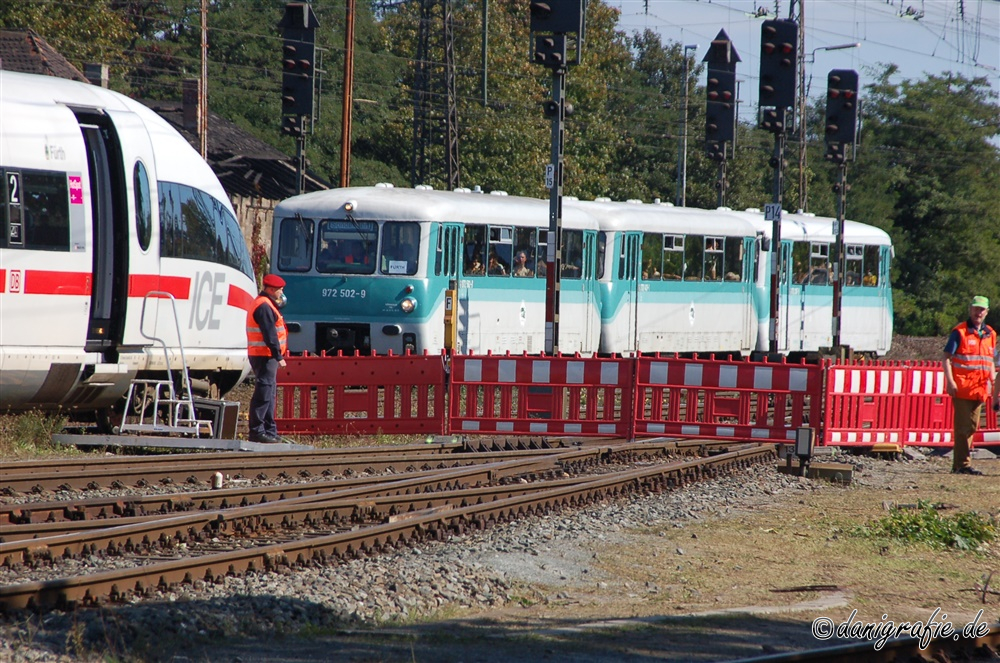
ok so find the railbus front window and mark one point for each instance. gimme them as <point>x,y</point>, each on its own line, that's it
<point>652,256</point>
<point>400,247</point>
<point>871,266</point>
<point>295,245</point>
<point>525,255</point>
<point>819,263</point>
<point>346,246</point>
<point>572,254</point>
<point>474,259</point>
<point>854,267</point>
<point>714,253</point>
<point>800,262</point>
<point>694,257</point>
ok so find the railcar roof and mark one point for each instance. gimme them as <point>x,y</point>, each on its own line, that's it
<point>809,227</point>
<point>665,218</point>
<point>399,204</point>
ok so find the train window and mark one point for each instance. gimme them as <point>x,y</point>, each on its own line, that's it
<point>237,254</point>
<point>525,252</point>
<point>853,267</point>
<point>541,265</point>
<point>501,253</point>
<point>170,219</point>
<point>652,256</point>
<point>602,249</point>
<point>714,255</point>
<point>45,210</point>
<point>400,244</point>
<point>871,266</point>
<point>143,206</point>
<point>572,254</point>
<point>694,257</point>
<point>474,258</point>
<point>819,264</point>
<point>673,257</point>
<point>800,262</point>
<point>342,247</point>
<point>295,240</point>
<point>734,259</point>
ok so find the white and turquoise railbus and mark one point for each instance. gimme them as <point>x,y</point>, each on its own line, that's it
<point>367,269</point>
<point>675,279</point>
<point>805,319</point>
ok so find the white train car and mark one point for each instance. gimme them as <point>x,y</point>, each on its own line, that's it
<point>805,290</point>
<point>675,279</point>
<point>367,269</point>
<point>103,203</point>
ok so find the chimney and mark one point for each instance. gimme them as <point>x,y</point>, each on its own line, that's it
<point>192,116</point>
<point>96,73</point>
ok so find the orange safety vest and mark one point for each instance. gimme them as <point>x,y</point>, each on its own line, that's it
<point>971,363</point>
<point>256,347</point>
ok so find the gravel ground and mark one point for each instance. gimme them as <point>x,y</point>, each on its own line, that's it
<point>457,600</point>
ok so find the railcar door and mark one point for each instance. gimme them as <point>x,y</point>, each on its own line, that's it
<point>885,300</point>
<point>110,232</point>
<point>591,322</point>
<point>628,277</point>
<point>785,303</point>
<point>449,269</point>
<point>749,310</point>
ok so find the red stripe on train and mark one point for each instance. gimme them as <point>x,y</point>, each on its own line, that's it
<point>140,284</point>
<point>39,282</point>
<point>240,298</point>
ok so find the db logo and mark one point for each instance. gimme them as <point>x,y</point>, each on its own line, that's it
<point>15,281</point>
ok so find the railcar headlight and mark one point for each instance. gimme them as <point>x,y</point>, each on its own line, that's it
<point>408,305</point>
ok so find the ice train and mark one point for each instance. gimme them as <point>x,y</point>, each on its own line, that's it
<point>104,205</point>
<point>368,269</point>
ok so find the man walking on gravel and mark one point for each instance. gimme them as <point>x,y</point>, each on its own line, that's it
<point>267,344</point>
<point>969,374</point>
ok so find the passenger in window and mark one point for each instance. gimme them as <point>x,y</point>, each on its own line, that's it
<point>650,271</point>
<point>496,267</point>
<point>521,265</point>
<point>870,279</point>
<point>475,268</point>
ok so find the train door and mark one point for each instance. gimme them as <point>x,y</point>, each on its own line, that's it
<point>885,300</point>
<point>110,232</point>
<point>749,253</point>
<point>785,301</point>
<point>450,270</point>
<point>591,322</point>
<point>628,277</point>
<point>137,238</point>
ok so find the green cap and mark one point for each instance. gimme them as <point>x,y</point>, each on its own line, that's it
<point>980,301</point>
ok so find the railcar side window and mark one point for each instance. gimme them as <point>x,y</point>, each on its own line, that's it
<point>694,257</point>
<point>400,244</point>
<point>800,262</point>
<point>572,254</point>
<point>45,210</point>
<point>474,260</point>
<point>143,206</point>
<point>501,251</point>
<point>871,266</point>
<point>295,241</point>
<point>734,259</point>
<point>602,249</point>
<point>673,257</point>
<point>714,253</point>
<point>652,256</point>
<point>525,255</point>
<point>819,264</point>
<point>542,265</point>
<point>854,254</point>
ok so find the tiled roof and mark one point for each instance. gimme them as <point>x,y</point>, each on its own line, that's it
<point>24,51</point>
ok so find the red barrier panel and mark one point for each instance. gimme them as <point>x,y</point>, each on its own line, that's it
<point>540,395</point>
<point>867,403</point>
<point>350,395</point>
<point>932,414</point>
<point>726,399</point>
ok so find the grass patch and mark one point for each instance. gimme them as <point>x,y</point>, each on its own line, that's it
<point>30,434</point>
<point>968,530</point>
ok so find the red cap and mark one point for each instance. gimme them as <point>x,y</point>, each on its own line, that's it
<point>274,281</point>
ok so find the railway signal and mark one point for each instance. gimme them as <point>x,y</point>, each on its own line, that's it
<point>721,105</point>
<point>841,112</point>
<point>778,52</point>
<point>558,16</point>
<point>298,58</point>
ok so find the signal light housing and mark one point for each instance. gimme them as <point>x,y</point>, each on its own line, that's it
<point>557,16</point>
<point>778,53</point>
<point>720,111</point>
<point>298,54</point>
<point>841,111</point>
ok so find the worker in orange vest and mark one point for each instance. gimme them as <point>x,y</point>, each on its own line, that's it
<point>267,345</point>
<point>969,375</point>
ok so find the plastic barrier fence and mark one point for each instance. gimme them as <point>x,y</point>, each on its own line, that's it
<point>726,399</point>
<point>350,395</point>
<point>541,395</point>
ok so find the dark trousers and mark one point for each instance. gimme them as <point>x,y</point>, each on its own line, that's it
<point>265,389</point>
<point>966,425</point>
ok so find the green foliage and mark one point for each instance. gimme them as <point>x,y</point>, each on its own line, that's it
<point>30,433</point>
<point>924,524</point>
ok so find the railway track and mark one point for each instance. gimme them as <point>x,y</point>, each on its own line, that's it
<point>152,543</point>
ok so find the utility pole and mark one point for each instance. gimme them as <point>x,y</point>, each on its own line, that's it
<point>347,115</point>
<point>299,49</point>
<point>203,105</point>
<point>554,23</point>
<point>682,153</point>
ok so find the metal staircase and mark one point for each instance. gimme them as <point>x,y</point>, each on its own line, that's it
<point>160,395</point>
